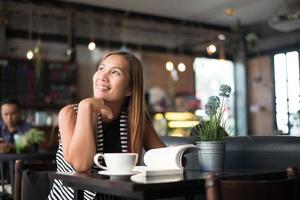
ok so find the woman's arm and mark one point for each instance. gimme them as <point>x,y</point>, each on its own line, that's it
<point>151,139</point>
<point>77,133</point>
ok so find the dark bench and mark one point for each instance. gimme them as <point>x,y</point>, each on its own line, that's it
<point>251,152</point>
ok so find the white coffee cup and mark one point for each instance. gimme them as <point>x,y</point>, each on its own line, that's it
<point>117,162</point>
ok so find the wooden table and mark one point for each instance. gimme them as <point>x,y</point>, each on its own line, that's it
<point>189,184</point>
<point>27,157</point>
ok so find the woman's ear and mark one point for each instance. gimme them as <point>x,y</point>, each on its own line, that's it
<point>129,93</point>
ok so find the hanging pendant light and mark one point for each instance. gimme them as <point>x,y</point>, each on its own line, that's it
<point>211,49</point>
<point>29,53</point>
<point>181,67</point>
<point>92,44</point>
<point>70,50</point>
<point>169,66</point>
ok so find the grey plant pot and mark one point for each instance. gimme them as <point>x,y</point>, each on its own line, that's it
<point>211,155</point>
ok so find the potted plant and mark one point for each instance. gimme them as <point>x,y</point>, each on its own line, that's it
<point>33,138</point>
<point>211,135</point>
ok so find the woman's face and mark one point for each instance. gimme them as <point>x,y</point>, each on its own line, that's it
<point>111,81</point>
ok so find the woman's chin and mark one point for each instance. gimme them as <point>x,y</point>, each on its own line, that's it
<point>100,95</point>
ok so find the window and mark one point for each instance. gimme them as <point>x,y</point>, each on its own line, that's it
<point>287,89</point>
<point>209,75</point>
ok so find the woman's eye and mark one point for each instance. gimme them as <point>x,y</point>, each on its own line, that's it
<point>100,68</point>
<point>116,73</point>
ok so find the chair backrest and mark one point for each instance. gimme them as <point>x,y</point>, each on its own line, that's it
<point>275,186</point>
<point>32,181</point>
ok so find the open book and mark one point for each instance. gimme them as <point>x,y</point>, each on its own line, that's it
<point>164,161</point>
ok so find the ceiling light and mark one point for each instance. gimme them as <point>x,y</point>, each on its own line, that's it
<point>169,66</point>
<point>181,67</point>
<point>211,49</point>
<point>221,37</point>
<point>69,52</point>
<point>92,46</point>
<point>29,55</point>
<point>229,12</point>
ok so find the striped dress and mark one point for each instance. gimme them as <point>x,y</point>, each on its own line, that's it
<point>60,192</point>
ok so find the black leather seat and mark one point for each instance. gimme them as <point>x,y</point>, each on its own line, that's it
<point>32,181</point>
<point>250,152</point>
<point>262,152</point>
<point>272,186</point>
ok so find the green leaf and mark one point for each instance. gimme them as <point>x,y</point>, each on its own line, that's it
<point>34,136</point>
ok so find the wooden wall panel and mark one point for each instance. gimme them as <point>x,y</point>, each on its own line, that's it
<point>157,76</point>
<point>260,95</point>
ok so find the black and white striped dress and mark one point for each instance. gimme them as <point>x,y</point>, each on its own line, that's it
<point>60,192</point>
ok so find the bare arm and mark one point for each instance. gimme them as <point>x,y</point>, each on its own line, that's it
<point>77,133</point>
<point>151,139</point>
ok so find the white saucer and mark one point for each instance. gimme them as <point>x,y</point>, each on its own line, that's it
<point>110,173</point>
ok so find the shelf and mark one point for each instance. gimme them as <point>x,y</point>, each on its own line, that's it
<point>47,84</point>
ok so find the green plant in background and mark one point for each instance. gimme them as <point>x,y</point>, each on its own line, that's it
<point>214,128</point>
<point>31,138</point>
<point>34,136</point>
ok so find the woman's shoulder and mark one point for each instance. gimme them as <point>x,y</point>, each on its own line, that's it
<point>70,109</point>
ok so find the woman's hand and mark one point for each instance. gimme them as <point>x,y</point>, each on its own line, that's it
<point>97,105</point>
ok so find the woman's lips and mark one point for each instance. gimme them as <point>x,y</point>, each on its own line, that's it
<point>101,86</point>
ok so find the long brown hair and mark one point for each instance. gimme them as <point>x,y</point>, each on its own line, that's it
<point>136,102</point>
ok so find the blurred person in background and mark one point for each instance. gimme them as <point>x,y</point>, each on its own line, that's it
<point>11,123</point>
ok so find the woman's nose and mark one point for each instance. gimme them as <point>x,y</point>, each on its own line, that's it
<point>104,76</point>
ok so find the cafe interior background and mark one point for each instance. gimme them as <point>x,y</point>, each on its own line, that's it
<point>50,49</point>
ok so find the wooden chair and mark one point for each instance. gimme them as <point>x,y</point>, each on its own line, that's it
<point>274,186</point>
<point>32,178</point>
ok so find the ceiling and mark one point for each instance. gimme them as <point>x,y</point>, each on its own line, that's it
<point>246,12</point>
<point>239,16</point>
<point>162,25</point>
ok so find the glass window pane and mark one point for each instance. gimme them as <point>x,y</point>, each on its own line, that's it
<point>293,81</point>
<point>280,91</point>
<point>209,75</point>
<point>287,88</point>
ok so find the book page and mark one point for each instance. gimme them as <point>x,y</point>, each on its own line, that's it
<point>167,157</point>
<point>141,178</point>
<point>146,171</point>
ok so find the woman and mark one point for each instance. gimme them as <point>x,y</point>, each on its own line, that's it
<point>114,120</point>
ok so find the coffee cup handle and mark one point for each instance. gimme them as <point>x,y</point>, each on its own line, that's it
<point>96,160</point>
